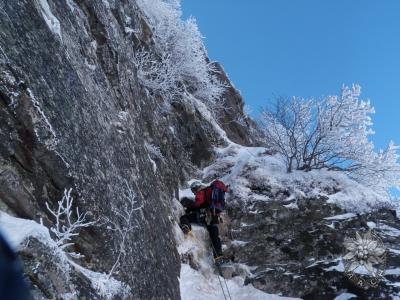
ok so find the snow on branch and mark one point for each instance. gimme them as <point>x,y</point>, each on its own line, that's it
<point>66,227</point>
<point>154,150</point>
<point>158,74</point>
<point>331,133</point>
<point>180,57</point>
<point>123,222</point>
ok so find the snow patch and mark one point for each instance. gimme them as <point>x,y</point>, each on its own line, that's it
<point>129,30</point>
<point>371,225</point>
<point>195,286</point>
<point>50,141</point>
<point>395,271</point>
<point>238,243</point>
<point>339,267</point>
<point>51,21</point>
<point>341,217</point>
<point>71,4</point>
<point>105,285</point>
<point>396,251</point>
<point>186,193</point>
<point>345,296</point>
<point>245,167</point>
<point>17,231</point>
<point>206,114</point>
<point>292,205</point>
<point>388,230</point>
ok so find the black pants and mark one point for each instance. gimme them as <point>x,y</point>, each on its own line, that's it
<point>212,228</point>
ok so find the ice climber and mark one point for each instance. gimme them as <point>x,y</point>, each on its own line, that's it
<point>205,210</point>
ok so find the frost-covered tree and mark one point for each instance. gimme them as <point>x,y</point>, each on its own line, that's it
<point>158,74</point>
<point>284,126</point>
<point>380,169</point>
<point>180,57</point>
<point>67,226</point>
<point>331,133</point>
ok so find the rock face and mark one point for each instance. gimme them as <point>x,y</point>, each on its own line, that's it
<point>73,115</point>
<point>298,252</point>
<point>50,281</point>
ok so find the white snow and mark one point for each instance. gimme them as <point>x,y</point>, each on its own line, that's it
<point>196,286</point>
<point>203,283</point>
<point>396,251</point>
<point>371,224</point>
<point>207,115</point>
<point>105,285</point>
<point>153,164</point>
<point>292,205</point>
<point>153,152</point>
<point>71,4</point>
<point>106,4</point>
<point>340,268</point>
<point>51,21</point>
<point>345,296</point>
<point>395,271</point>
<point>17,231</point>
<point>388,230</point>
<point>89,65</point>
<point>332,225</point>
<point>51,141</point>
<point>238,243</point>
<point>341,217</point>
<point>123,115</point>
<point>129,30</point>
<point>242,167</point>
<point>186,193</point>
<point>316,263</point>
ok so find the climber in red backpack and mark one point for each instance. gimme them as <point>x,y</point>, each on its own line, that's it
<point>205,210</point>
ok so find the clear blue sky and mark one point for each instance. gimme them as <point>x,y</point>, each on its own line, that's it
<point>308,48</point>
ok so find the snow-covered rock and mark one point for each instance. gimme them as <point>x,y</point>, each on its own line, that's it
<point>54,273</point>
<point>289,229</point>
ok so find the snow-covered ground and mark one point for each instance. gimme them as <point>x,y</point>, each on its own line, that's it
<point>196,286</point>
<point>204,283</point>
<point>242,167</point>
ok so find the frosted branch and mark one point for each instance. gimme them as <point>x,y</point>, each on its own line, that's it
<point>67,227</point>
<point>123,222</point>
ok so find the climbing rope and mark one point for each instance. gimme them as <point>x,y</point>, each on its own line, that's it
<point>219,279</point>
<point>222,288</point>
<point>226,285</point>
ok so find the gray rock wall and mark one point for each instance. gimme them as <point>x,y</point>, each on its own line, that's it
<point>73,115</point>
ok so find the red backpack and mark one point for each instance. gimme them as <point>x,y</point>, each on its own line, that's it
<point>216,196</point>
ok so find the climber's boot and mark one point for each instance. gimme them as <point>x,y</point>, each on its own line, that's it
<point>220,260</point>
<point>186,229</point>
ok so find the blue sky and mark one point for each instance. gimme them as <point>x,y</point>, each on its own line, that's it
<point>308,48</point>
